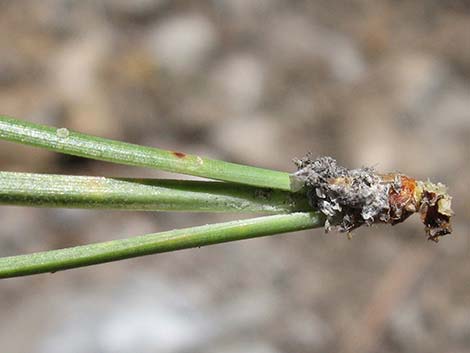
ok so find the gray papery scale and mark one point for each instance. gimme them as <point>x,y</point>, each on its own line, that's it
<point>348,197</point>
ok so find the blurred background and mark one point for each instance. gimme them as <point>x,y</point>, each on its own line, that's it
<point>259,82</point>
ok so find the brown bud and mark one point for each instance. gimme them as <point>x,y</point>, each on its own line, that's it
<point>353,197</point>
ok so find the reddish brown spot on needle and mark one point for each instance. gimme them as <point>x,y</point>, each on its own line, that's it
<point>179,154</point>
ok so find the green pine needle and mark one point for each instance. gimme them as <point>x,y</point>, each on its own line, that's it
<point>240,189</point>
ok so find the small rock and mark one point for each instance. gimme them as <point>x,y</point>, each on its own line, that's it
<point>181,44</point>
<point>135,8</point>
<point>297,41</point>
<point>250,139</point>
<point>239,81</point>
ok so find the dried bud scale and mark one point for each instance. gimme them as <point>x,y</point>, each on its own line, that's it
<point>350,198</point>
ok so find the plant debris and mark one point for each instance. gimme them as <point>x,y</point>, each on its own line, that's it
<point>350,198</point>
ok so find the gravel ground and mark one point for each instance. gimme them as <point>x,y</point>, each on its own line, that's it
<point>380,83</point>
